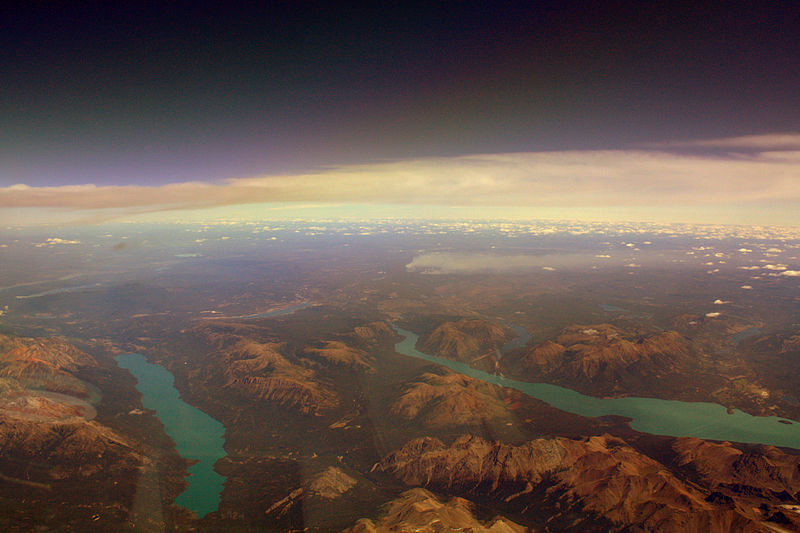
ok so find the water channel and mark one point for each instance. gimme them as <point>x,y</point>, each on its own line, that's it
<point>649,415</point>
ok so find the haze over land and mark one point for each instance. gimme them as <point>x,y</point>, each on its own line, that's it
<point>527,267</point>
<point>285,334</point>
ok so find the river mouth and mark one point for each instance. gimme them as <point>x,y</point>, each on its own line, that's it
<point>197,436</point>
<point>672,418</point>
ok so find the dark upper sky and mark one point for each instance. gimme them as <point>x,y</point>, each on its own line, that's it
<point>154,92</point>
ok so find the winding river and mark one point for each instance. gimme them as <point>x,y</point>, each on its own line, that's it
<point>649,415</point>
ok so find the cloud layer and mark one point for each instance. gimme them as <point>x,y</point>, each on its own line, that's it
<point>751,170</point>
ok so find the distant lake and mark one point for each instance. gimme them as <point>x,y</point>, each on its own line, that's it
<point>197,436</point>
<point>649,415</point>
<point>277,312</point>
<point>736,338</point>
<point>58,291</point>
<point>613,308</point>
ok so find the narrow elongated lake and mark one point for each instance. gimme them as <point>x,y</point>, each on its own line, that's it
<point>197,436</point>
<point>649,415</point>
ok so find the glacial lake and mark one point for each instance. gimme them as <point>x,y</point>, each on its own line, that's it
<point>649,415</point>
<point>197,436</point>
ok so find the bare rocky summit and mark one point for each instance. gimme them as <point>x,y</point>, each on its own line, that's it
<point>603,475</point>
<point>421,511</point>
<point>605,353</point>
<point>261,371</point>
<point>466,339</point>
<point>328,485</point>
<point>449,400</point>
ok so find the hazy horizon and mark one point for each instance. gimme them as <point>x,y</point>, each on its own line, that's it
<point>525,111</point>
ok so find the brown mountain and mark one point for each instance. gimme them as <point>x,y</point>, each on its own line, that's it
<point>328,485</point>
<point>466,339</point>
<point>43,363</point>
<point>84,449</point>
<point>40,425</point>
<point>51,351</point>
<point>606,354</point>
<point>766,472</point>
<point>718,325</point>
<point>337,353</point>
<point>421,511</point>
<point>602,475</point>
<point>373,332</point>
<point>263,371</point>
<point>448,400</point>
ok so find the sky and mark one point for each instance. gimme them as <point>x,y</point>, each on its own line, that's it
<point>601,110</point>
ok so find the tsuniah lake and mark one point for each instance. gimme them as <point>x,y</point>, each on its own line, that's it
<point>649,415</point>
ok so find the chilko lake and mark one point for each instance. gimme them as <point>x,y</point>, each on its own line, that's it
<point>649,415</point>
<point>197,436</point>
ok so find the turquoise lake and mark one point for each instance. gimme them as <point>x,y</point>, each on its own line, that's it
<point>649,415</point>
<point>197,436</point>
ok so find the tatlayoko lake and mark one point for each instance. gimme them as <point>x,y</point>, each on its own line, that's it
<point>649,415</point>
<point>197,436</point>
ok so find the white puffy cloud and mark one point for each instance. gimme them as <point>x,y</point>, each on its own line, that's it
<point>52,241</point>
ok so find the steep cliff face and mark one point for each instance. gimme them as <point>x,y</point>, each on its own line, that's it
<point>419,510</point>
<point>604,475</point>
<point>466,339</point>
<point>449,400</point>
<point>765,472</point>
<point>605,353</point>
